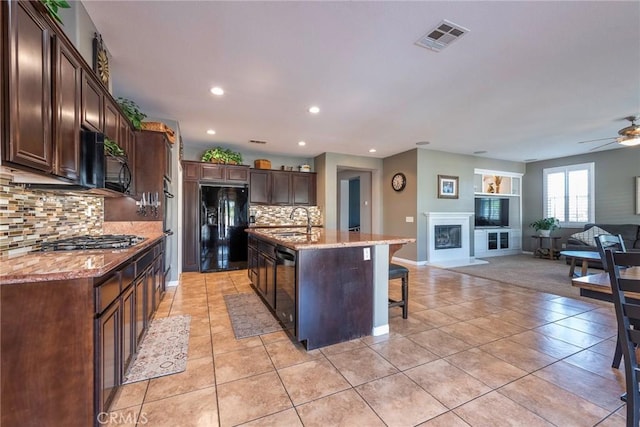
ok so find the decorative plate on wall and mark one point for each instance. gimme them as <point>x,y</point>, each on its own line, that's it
<point>100,60</point>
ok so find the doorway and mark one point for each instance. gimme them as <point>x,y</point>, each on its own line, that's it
<point>354,204</point>
<point>354,196</point>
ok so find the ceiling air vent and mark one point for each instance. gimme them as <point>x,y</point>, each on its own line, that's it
<point>256,141</point>
<point>441,36</point>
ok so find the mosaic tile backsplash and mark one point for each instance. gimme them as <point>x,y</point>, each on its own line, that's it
<point>276,216</point>
<point>28,218</point>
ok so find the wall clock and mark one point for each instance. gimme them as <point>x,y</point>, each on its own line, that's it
<point>399,181</point>
<point>100,60</point>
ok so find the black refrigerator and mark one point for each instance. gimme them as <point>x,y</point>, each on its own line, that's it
<point>223,218</point>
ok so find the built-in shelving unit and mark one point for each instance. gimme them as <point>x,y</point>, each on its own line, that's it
<point>498,183</point>
<point>493,241</point>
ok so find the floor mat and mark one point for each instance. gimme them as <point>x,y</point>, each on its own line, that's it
<point>163,350</point>
<point>249,316</point>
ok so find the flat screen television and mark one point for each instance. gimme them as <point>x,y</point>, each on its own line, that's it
<point>491,212</point>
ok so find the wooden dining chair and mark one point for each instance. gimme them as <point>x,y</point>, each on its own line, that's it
<point>609,241</point>
<point>624,272</point>
<point>613,242</point>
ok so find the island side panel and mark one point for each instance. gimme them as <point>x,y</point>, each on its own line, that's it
<point>335,295</point>
<point>381,290</point>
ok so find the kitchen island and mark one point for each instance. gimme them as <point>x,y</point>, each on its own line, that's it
<point>325,286</point>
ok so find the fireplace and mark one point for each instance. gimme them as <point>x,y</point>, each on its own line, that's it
<point>449,239</point>
<point>448,236</point>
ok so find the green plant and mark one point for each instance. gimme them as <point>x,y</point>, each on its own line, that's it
<point>222,155</point>
<point>52,7</point>
<point>550,224</point>
<point>132,111</point>
<point>113,149</point>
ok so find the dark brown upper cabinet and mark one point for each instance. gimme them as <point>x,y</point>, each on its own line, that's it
<point>51,92</point>
<point>92,102</point>
<point>280,188</point>
<point>28,137</point>
<point>260,187</point>
<point>268,187</point>
<point>67,75</point>
<point>111,120</point>
<point>215,172</point>
<point>303,188</point>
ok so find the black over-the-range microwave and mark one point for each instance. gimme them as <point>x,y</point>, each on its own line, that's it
<point>98,173</point>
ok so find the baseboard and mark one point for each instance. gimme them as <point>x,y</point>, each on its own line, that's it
<point>407,261</point>
<point>173,283</point>
<point>380,330</point>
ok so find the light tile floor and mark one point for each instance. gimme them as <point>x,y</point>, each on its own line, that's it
<point>474,352</point>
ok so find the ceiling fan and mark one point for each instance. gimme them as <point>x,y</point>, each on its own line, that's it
<point>629,136</point>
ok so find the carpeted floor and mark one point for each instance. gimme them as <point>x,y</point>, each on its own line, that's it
<point>524,270</point>
<point>249,316</point>
<point>163,350</point>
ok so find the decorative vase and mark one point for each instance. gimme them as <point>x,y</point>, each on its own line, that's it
<point>545,233</point>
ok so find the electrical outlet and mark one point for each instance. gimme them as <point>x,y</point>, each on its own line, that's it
<point>408,219</point>
<point>367,254</point>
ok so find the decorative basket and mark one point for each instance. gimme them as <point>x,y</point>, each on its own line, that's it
<point>160,127</point>
<point>262,164</point>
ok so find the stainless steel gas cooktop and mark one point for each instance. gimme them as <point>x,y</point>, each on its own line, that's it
<point>106,241</point>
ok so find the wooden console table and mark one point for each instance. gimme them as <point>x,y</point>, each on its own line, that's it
<point>551,251</point>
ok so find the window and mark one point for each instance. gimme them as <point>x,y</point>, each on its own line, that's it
<point>568,194</point>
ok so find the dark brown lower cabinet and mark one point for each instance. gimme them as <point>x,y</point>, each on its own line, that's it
<point>252,260</point>
<point>266,272</point>
<point>148,298</point>
<point>67,343</point>
<point>139,310</point>
<point>128,326</point>
<point>108,371</point>
<point>158,281</point>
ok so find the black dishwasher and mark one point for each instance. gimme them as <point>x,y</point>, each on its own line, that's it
<point>286,288</point>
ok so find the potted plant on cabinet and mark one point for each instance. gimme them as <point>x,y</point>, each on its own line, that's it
<point>112,148</point>
<point>52,7</point>
<point>545,226</point>
<point>222,155</point>
<point>132,111</point>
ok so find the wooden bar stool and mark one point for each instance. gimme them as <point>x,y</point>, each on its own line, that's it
<point>397,271</point>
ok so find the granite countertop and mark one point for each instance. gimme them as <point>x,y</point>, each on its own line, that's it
<point>75,264</point>
<point>322,238</point>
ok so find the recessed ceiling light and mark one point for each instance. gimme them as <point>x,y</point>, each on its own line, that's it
<point>217,90</point>
<point>211,132</point>
<point>373,150</point>
<point>314,109</point>
<point>302,143</point>
<point>423,143</point>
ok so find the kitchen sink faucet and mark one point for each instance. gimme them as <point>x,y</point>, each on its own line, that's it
<point>308,217</point>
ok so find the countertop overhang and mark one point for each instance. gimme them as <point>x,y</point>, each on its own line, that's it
<point>321,238</point>
<point>64,265</point>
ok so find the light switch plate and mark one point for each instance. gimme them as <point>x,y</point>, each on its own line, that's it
<point>367,254</point>
<point>409,219</point>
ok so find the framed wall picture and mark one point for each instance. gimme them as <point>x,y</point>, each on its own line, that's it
<point>447,187</point>
<point>637,195</point>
